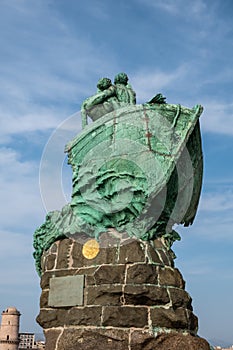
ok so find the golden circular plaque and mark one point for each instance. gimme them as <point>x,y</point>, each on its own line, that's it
<point>91,249</point>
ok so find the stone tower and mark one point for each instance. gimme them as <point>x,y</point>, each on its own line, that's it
<point>9,332</point>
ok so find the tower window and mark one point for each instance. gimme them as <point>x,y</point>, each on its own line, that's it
<point>7,337</point>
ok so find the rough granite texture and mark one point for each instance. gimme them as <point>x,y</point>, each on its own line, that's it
<point>134,298</point>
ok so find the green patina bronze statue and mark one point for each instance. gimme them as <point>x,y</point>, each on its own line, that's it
<point>108,98</point>
<point>136,168</point>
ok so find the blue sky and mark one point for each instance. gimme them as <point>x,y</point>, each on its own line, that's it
<point>52,54</point>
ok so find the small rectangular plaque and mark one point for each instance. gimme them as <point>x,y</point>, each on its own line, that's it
<point>66,291</point>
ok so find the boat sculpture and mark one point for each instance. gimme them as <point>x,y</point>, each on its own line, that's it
<point>137,168</point>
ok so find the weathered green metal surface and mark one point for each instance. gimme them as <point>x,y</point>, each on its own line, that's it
<point>137,168</point>
<point>133,152</point>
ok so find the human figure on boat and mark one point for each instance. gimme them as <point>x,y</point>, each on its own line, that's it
<point>100,103</point>
<point>108,98</point>
<point>124,91</point>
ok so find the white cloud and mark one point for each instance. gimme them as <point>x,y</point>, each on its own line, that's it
<point>9,161</point>
<point>20,200</point>
<point>15,244</point>
<point>53,182</point>
<point>196,267</point>
<point>38,119</point>
<point>217,202</point>
<point>16,250</point>
<point>218,117</point>
<point>179,7</point>
<point>148,83</point>
<point>212,226</point>
<point>49,66</point>
<point>214,220</point>
<point>97,10</point>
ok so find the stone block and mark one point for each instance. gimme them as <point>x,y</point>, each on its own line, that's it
<point>169,318</point>
<point>170,277</point>
<point>54,248</point>
<point>44,299</point>
<point>87,271</point>
<point>177,341</point>
<point>180,298</point>
<point>193,321</point>
<point>109,274</point>
<point>49,263</point>
<point>107,256</point>
<point>89,280</point>
<point>158,243</point>
<point>85,316</point>
<point>51,336</point>
<point>76,254</point>
<point>125,316</point>
<point>164,257</point>
<point>107,294</point>
<point>145,295</point>
<point>89,339</point>
<point>142,340</point>
<point>171,256</point>
<point>42,261</point>
<point>44,281</point>
<point>142,273</point>
<point>134,251</point>
<point>153,255</point>
<point>49,318</point>
<point>66,291</point>
<point>63,253</point>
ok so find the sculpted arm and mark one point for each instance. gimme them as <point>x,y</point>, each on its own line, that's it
<point>98,98</point>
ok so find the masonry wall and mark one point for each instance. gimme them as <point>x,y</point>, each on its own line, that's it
<point>131,294</point>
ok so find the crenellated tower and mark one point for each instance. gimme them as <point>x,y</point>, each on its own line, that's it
<point>9,331</point>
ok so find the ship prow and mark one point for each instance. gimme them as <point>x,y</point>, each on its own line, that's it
<point>162,141</point>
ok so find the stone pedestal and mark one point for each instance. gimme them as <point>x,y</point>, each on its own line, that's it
<point>128,295</point>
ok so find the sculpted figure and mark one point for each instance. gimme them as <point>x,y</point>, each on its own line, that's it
<point>100,103</point>
<point>124,90</point>
<point>108,98</point>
